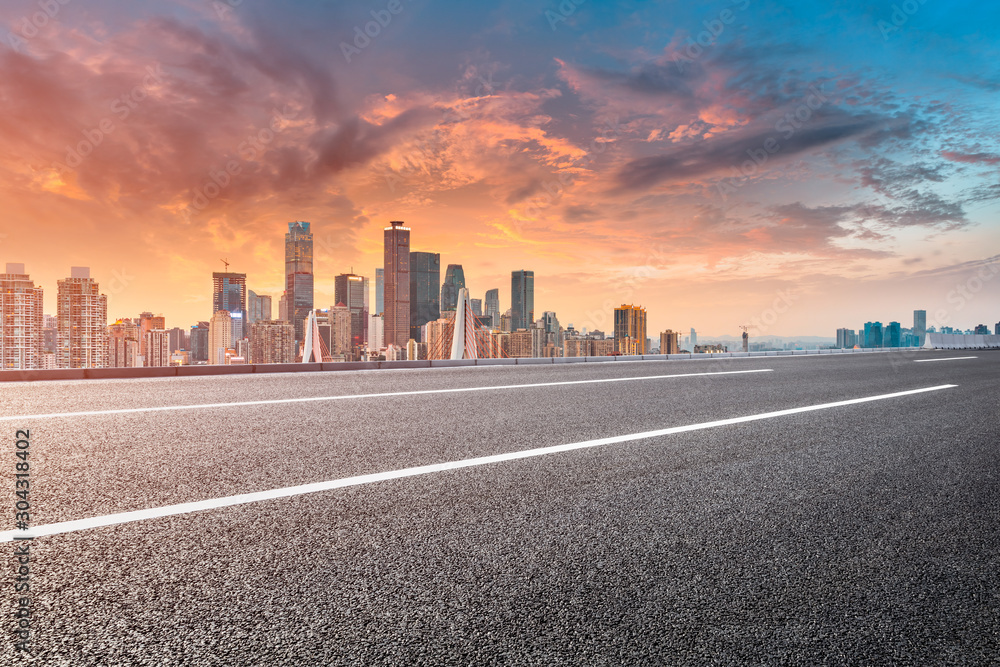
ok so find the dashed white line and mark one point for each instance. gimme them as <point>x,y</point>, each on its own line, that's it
<point>53,415</point>
<point>215,503</point>
<point>918,361</point>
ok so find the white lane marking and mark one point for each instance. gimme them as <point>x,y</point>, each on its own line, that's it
<point>53,415</point>
<point>215,503</point>
<point>917,361</point>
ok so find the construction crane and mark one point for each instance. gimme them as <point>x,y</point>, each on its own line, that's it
<point>226,262</point>
<point>746,336</point>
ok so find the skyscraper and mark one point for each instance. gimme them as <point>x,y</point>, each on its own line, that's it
<point>425,277</point>
<point>83,321</point>
<point>379,291</point>
<point>397,284</point>
<point>694,338</point>
<point>157,348</point>
<point>454,280</point>
<point>477,307</point>
<point>920,326</point>
<point>220,337</point>
<point>670,342</point>
<point>630,329</point>
<point>522,299</point>
<point>873,334</point>
<point>493,307</point>
<point>229,292</point>
<point>352,291</point>
<point>199,341</point>
<point>21,320</point>
<point>258,307</point>
<point>299,275</point>
<point>893,335</point>
<point>123,344</point>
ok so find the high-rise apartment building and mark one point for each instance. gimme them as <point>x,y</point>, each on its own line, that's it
<point>376,333</point>
<point>352,291</point>
<point>299,275</point>
<point>220,337</point>
<point>21,320</point>
<point>630,329</point>
<point>83,321</point>
<point>178,339</point>
<point>425,280</point>
<point>123,344</point>
<point>258,307</point>
<point>157,348</point>
<point>454,281</point>
<point>873,334</point>
<point>272,342</point>
<point>920,326</point>
<point>397,284</point>
<point>522,299</point>
<point>670,342</point>
<point>341,320</point>
<point>846,339</point>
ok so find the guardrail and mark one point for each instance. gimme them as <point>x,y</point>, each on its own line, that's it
<point>242,369</point>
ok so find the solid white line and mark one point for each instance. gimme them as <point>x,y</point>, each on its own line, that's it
<point>918,361</point>
<point>215,503</point>
<point>53,415</point>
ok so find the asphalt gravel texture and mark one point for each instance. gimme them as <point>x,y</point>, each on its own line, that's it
<point>866,534</point>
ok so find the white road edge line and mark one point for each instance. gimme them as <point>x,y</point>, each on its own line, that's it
<point>215,503</point>
<point>920,361</point>
<point>307,399</point>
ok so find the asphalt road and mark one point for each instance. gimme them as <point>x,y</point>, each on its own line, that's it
<point>866,533</point>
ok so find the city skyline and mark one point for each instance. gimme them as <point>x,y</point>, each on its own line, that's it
<point>621,154</point>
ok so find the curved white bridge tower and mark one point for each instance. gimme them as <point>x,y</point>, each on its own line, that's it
<point>463,341</point>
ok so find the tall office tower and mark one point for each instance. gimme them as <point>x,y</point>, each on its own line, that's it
<point>920,326</point>
<point>493,306</point>
<point>454,280</point>
<point>397,284</point>
<point>425,279</point>
<point>299,275</point>
<point>237,328</point>
<point>229,292</point>
<point>123,344</point>
<point>376,333</point>
<point>893,335</point>
<point>630,329</point>
<point>272,342</point>
<point>379,291</point>
<point>283,309</point>
<point>21,320</point>
<point>670,342</point>
<point>157,348</point>
<point>220,337</point>
<point>873,334</point>
<point>694,338</point>
<point>352,291</point>
<point>553,331</point>
<point>83,321</point>
<point>258,307</point>
<point>199,341</point>
<point>477,307</point>
<point>522,299</point>
<point>341,320</point>
<point>178,339</point>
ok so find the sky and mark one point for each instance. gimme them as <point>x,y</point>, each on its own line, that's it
<point>792,166</point>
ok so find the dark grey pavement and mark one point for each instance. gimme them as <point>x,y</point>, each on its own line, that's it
<point>863,534</point>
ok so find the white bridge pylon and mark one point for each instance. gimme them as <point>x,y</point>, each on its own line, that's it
<point>313,348</point>
<point>463,341</point>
